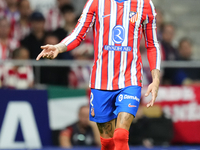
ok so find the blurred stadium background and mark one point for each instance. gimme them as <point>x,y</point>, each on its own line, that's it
<point>39,99</point>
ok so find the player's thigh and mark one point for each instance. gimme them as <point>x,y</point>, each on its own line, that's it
<point>124,120</point>
<point>106,129</point>
<point>127,104</point>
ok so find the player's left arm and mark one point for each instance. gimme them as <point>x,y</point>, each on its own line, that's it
<point>153,50</point>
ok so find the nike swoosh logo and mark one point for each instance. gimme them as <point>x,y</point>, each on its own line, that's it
<point>106,16</point>
<point>129,105</point>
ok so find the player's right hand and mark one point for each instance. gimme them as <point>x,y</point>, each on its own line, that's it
<point>153,87</point>
<point>49,52</point>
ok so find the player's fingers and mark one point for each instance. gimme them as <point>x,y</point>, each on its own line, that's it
<point>153,98</point>
<point>44,55</point>
<point>55,54</point>
<point>39,56</point>
<point>148,91</point>
<point>148,105</point>
<point>50,55</point>
<point>152,101</point>
<point>44,47</point>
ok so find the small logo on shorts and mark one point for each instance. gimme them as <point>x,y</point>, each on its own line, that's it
<point>129,105</point>
<point>120,97</point>
<point>92,112</point>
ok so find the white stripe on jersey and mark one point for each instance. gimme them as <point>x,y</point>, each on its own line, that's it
<point>77,30</point>
<point>140,5</point>
<point>111,54</point>
<point>100,48</point>
<point>156,44</point>
<point>123,63</point>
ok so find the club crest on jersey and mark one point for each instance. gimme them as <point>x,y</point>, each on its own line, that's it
<point>133,16</point>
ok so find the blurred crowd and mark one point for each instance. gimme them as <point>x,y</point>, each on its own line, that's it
<point>166,32</point>
<point>23,30</point>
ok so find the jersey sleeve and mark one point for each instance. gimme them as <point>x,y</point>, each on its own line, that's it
<point>84,23</point>
<point>150,34</point>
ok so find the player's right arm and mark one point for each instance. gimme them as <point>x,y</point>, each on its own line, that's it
<point>76,37</point>
<point>153,50</point>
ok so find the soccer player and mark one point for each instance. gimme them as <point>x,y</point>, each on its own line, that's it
<point>116,77</point>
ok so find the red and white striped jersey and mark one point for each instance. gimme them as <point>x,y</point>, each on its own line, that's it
<point>117,29</point>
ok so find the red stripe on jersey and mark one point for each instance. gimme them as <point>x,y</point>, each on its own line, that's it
<point>139,73</point>
<point>139,67</point>
<point>139,61</point>
<point>96,45</point>
<point>117,57</point>
<point>107,12</point>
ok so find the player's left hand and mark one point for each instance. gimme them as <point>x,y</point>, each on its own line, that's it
<point>153,89</point>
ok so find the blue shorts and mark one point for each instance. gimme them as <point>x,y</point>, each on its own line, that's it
<point>106,105</point>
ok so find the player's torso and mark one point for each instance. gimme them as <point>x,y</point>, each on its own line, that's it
<point>119,24</point>
<point>117,32</point>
